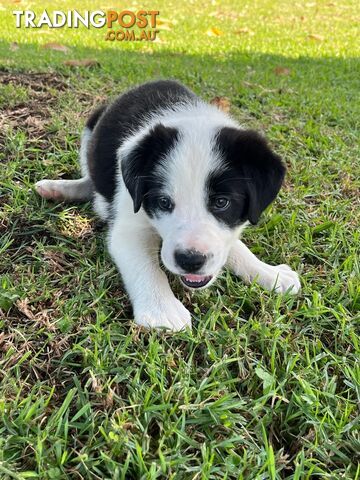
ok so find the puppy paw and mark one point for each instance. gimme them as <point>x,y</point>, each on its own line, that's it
<point>49,189</point>
<point>280,278</point>
<point>169,314</point>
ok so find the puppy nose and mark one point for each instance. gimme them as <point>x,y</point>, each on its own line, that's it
<point>190,260</point>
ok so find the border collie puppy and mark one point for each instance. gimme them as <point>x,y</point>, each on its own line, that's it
<point>171,173</point>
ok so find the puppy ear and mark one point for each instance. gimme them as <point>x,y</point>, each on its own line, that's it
<point>260,170</point>
<point>139,163</point>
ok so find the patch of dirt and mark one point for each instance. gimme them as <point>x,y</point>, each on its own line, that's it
<point>39,82</point>
<point>33,114</point>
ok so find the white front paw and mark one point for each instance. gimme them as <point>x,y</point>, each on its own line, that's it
<point>280,278</point>
<point>170,314</point>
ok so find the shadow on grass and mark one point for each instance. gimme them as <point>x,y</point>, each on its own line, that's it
<point>317,85</point>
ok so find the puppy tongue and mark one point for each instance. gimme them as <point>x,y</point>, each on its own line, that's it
<point>195,278</point>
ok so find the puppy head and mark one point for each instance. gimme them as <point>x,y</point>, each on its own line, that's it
<point>199,188</point>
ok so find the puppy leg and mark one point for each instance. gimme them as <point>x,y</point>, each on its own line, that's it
<point>70,190</point>
<point>247,266</point>
<point>66,190</point>
<point>135,252</point>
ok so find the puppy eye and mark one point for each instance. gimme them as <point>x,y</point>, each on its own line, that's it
<point>165,203</point>
<point>220,203</point>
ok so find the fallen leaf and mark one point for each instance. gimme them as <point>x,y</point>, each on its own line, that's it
<point>222,103</point>
<point>244,31</point>
<point>13,46</point>
<point>23,307</point>
<point>217,14</point>
<point>109,399</point>
<point>85,62</point>
<point>56,46</point>
<point>56,260</point>
<point>282,71</point>
<point>214,32</point>
<point>315,36</point>
<point>128,426</point>
<point>96,384</point>
<point>42,318</point>
<point>34,122</point>
<point>224,15</point>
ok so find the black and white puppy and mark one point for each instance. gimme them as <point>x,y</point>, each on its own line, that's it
<point>168,171</point>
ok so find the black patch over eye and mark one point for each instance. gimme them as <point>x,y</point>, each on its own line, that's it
<point>227,200</point>
<point>219,204</point>
<point>139,166</point>
<point>165,204</point>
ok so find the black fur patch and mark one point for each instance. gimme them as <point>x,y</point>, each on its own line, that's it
<point>95,116</point>
<point>123,117</point>
<point>227,184</point>
<point>138,169</point>
<point>251,178</point>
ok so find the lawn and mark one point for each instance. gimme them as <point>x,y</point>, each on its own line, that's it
<point>264,386</point>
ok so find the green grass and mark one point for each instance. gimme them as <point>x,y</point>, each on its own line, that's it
<point>264,387</point>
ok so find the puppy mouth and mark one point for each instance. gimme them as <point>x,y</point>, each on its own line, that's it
<point>195,281</point>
